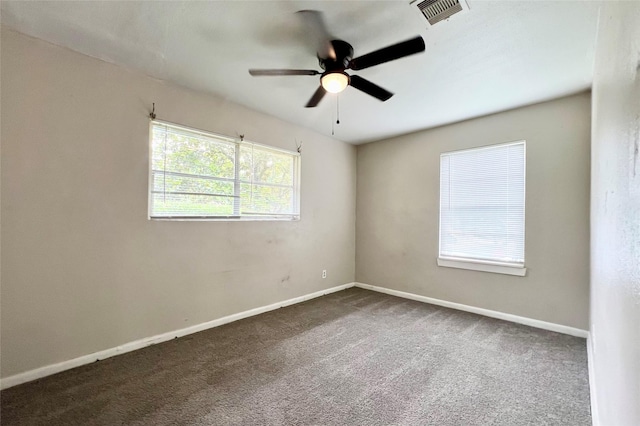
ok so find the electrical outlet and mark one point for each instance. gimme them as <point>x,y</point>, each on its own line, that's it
<point>324,273</point>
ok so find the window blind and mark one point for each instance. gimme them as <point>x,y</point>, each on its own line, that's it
<point>482,202</point>
<point>196,174</point>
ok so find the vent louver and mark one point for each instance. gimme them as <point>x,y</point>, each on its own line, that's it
<point>439,10</point>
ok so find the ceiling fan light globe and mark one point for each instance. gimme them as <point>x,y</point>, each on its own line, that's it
<point>334,82</point>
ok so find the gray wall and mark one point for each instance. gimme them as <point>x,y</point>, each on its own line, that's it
<point>83,268</point>
<point>615,216</point>
<point>397,213</point>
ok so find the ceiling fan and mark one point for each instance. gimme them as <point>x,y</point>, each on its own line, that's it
<point>336,56</point>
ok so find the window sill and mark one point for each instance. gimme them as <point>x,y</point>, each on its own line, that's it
<point>224,219</point>
<point>495,268</point>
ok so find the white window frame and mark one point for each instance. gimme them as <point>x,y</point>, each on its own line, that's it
<point>474,264</point>
<point>237,216</point>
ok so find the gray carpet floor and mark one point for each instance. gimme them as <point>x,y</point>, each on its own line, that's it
<point>352,357</point>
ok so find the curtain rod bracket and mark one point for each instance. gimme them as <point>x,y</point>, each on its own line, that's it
<point>152,114</point>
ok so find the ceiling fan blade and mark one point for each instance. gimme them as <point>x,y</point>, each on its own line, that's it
<point>370,88</point>
<point>275,72</point>
<point>389,53</point>
<point>316,98</point>
<point>317,32</point>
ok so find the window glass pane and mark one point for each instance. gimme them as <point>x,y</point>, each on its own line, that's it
<point>176,205</point>
<point>265,166</point>
<point>482,203</point>
<point>265,199</point>
<point>170,182</point>
<point>176,152</point>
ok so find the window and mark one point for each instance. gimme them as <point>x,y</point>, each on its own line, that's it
<point>482,193</point>
<point>199,175</point>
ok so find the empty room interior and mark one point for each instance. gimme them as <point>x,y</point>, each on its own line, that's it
<point>320,213</point>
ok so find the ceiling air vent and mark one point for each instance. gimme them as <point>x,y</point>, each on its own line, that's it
<point>439,10</point>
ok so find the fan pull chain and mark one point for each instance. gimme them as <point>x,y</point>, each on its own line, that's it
<point>337,115</point>
<point>332,126</point>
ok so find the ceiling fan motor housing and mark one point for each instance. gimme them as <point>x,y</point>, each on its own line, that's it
<point>343,55</point>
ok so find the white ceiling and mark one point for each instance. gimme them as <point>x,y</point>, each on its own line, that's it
<point>497,56</point>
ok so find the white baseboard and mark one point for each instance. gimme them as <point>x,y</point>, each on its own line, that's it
<point>48,370</point>
<point>481,311</point>
<point>148,341</point>
<point>595,419</point>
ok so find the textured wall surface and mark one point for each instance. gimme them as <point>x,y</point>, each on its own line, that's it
<point>83,268</point>
<point>615,216</point>
<point>398,213</point>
